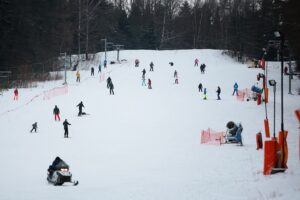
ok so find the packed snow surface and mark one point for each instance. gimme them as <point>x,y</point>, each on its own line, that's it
<point>143,144</point>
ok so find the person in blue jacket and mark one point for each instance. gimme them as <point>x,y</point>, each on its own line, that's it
<point>235,89</point>
<point>204,93</point>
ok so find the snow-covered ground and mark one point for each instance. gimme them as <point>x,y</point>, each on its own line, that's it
<point>142,144</point>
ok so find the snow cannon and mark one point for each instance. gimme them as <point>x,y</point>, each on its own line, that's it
<point>233,133</point>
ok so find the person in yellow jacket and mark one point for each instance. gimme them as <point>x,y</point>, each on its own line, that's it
<point>77,76</point>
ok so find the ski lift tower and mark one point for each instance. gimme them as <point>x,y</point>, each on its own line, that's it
<point>118,47</point>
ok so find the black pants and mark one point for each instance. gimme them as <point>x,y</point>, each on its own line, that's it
<point>111,91</point>
<point>66,132</point>
<point>33,129</point>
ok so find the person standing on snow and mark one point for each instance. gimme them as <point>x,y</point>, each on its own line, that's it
<point>66,124</point>
<point>151,66</point>
<point>175,74</point>
<point>111,88</point>
<point>137,62</point>
<point>200,87</point>
<point>80,105</point>
<point>144,81</point>
<point>77,76</point>
<point>99,68</point>
<point>235,88</point>
<point>219,92</point>
<point>16,94</point>
<point>196,62</point>
<point>92,71</point>
<point>56,113</point>
<point>144,72</point>
<point>149,84</point>
<point>34,127</point>
<point>105,63</point>
<point>205,92</point>
<point>108,81</point>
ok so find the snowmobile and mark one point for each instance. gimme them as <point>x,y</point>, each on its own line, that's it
<point>234,133</point>
<point>58,173</point>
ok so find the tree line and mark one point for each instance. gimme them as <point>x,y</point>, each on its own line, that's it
<point>34,32</point>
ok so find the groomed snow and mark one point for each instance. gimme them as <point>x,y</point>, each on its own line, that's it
<point>142,144</point>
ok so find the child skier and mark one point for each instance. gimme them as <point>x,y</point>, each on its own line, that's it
<point>235,89</point>
<point>16,94</point>
<point>34,127</point>
<point>56,113</point>
<point>66,124</point>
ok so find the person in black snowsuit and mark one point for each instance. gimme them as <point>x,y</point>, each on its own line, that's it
<point>92,71</point>
<point>99,68</point>
<point>151,66</point>
<point>34,127</point>
<point>108,81</point>
<point>66,124</point>
<point>80,105</point>
<point>56,113</point>
<point>219,92</point>
<point>200,87</point>
<point>105,63</point>
<point>144,73</point>
<point>111,88</point>
<point>52,167</point>
<point>202,68</point>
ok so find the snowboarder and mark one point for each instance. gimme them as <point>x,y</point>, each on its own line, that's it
<point>196,62</point>
<point>77,76</point>
<point>80,105</point>
<point>108,81</point>
<point>34,127</point>
<point>16,94</point>
<point>219,92</point>
<point>99,68</point>
<point>144,72</point>
<point>105,63</point>
<point>151,66</point>
<point>137,62</point>
<point>92,71</point>
<point>200,87</point>
<point>66,124</point>
<point>111,88</point>
<point>205,92</point>
<point>144,81</point>
<point>56,113</point>
<point>149,84</point>
<point>235,89</point>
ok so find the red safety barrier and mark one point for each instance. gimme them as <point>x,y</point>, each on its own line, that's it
<point>267,128</point>
<point>243,94</point>
<point>211,137</point>
<point>283,148</point>
<point>270,155</point>
<point>258,99</point>
<point>259,142</point>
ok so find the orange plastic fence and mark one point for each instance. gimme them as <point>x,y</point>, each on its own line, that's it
<point>270,155</point>
<point>211,137</point>
<point>243,94</point>
<point>55,92</point>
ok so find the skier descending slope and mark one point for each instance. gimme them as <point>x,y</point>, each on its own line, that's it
<point>66,124</point>
<point>56,113</point>
<point>218,92</point>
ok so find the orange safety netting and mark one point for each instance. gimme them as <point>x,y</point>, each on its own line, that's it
<point>212,137</point>
<point>243,94</point>
<point>55,92</point>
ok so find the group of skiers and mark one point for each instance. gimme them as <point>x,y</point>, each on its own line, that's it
<point>218,91</point>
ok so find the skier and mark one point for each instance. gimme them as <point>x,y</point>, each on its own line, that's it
<point>235,89</point>
<point>151,66</point>
<point>137,62</point>
<point>99,68</point>
<point>34,127</point>
<point>16,94</point>
<point>144,81</point>
<point>149,84</point>
<point>77,76</point>
<point>196,62</point>
<point>144,72</point>
<point>105,63</point>
<point>66,124</point>
<point>285,70</point>
<point>111,88</point>
<point>202,68</point>
<point>205,92</point>
<point>80,105</point>
<point>92,71</point>
<point>175,74</point>
<point>219,92</point>
<point>108,81</point>
<point>56,113</point>
<point>200,87</point>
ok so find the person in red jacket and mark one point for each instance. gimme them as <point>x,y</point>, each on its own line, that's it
<point>149,84</point>
<point>16,94</point>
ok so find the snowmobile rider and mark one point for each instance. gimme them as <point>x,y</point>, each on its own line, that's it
<point>66,124</point>
<point>80,105</point>
<point>51,168</point>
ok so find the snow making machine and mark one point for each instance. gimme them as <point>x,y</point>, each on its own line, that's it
<point>233,133</point>
<point>58,173</point>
